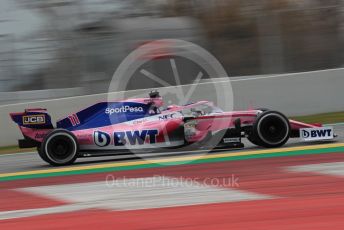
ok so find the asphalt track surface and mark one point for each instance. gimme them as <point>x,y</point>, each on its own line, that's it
<point>304,189</point>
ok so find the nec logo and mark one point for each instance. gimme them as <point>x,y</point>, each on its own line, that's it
<point>168,116</point>
<point>323,133</point>
<point>137,137</point>
<point>34,119</point>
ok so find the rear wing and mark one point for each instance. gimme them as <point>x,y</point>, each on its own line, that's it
<point>34,124</point>
<point>37,118</point>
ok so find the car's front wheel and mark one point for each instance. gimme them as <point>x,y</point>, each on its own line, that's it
<point>60,147</point>
<point>271,129</point>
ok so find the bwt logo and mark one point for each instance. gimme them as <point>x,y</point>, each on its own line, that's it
<point>34,119</point>
<point>139,137</point>
<point>124,109</point>
<point>317,133</point>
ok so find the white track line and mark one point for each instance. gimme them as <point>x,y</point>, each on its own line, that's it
<point>233,79</point>
<point>18,153</point>
<point>133,194</point>
<point>335,124</point>
<point>284,75</point>
<point>333,169</point>
<point>42,211</point>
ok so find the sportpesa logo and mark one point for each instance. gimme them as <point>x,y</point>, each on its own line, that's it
<point>124,109</point>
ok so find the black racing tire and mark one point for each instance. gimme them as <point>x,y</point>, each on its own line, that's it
<point>59,148</point>
<point>271,129</point>
<point>253,140</point>
<point>42,156</point>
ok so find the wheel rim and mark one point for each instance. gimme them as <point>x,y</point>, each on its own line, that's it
<point>61,148</point>
<point>273,129</point>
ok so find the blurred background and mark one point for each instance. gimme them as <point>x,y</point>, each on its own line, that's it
<point>73,47</point>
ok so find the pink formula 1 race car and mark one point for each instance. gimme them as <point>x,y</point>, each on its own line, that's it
<point>108,128</point>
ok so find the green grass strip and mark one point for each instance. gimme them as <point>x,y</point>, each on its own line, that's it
<point>324,118</point>
<point>14,149</point>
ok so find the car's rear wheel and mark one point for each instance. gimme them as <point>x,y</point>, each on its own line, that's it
<point>271,129</point>
<point>60,147</point>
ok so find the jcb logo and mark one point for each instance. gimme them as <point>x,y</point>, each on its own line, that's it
<point>34,119</point>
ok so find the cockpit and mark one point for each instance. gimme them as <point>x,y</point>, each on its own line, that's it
<point>190,109</point>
